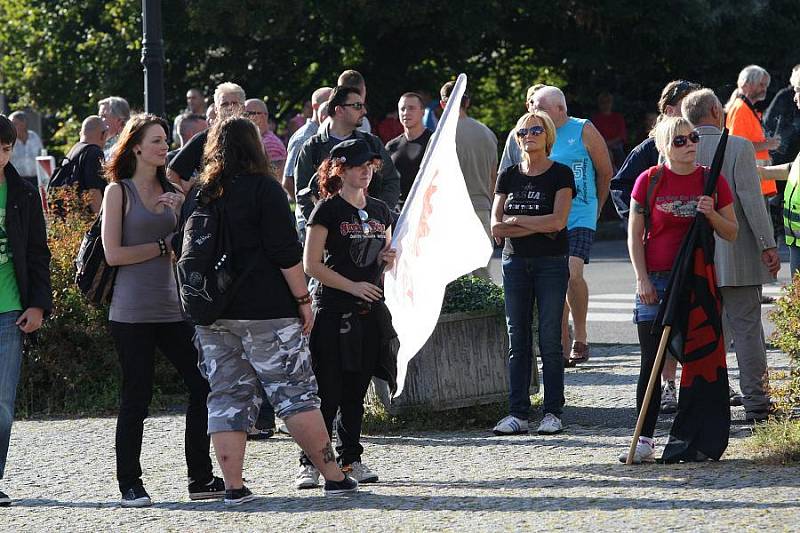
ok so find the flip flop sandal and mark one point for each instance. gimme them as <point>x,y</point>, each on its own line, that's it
<point>580,353</point>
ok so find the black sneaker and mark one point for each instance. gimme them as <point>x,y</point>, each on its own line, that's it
<point>136,497</point>
<point>5,501</point>
<point>209,490</point>
<point>345,486</point>
<point>238,496</point>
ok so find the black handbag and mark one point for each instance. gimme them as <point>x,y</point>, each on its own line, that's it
<point>93,275</point>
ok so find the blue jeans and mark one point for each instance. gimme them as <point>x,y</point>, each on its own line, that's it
<point>542,280</point>
<point>10,362</point>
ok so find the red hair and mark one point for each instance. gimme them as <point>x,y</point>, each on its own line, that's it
<point>330,179</point>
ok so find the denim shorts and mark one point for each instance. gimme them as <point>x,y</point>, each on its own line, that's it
<point>647,312</point>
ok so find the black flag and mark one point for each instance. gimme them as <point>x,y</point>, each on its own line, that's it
<point>693,308</point>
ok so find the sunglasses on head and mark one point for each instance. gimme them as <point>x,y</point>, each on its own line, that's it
<point>533,130</point>
<point>364,218</point>
<point>680,140</point>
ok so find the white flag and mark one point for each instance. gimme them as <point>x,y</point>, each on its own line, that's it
<point>438,238</point>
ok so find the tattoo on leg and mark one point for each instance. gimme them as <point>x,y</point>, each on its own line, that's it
<point>327,454</point>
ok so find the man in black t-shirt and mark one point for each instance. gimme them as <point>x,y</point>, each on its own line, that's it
<point>408,148</point>
<point>89,153</point>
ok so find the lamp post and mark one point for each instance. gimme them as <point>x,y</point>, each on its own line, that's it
<point>153,57</point>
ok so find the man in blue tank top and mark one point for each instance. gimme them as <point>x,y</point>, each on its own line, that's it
<point>581,147</point>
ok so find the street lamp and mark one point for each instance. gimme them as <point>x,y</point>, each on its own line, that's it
<point>153,57</point>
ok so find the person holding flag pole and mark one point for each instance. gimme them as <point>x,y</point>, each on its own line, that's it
<point>438,238</point>
<point>675,208</point>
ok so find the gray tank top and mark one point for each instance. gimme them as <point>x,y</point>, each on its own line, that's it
<point>145,292</point>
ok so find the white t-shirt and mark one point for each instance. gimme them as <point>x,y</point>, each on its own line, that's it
<point>24,155</point>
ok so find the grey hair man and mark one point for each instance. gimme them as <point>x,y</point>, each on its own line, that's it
<point>303,133</point>
<point>115,112</point>
<point>27,147</point>
<point>581,147</point>
<point>190,125</point>
<point>228,98</point>
<point>751,260</point>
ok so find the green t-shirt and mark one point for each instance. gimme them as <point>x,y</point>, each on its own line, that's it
<point>9,291</point>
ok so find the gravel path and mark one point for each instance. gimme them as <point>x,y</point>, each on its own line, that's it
<point>61,477</point>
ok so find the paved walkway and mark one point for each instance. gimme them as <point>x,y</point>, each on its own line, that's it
<point>61,476</point>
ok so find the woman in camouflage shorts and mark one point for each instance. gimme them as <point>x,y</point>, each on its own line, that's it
<point>261,338</point>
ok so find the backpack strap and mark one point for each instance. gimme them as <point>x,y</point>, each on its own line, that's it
<point>649,200</point>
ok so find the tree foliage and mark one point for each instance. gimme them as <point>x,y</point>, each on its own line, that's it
<point>61,56</point>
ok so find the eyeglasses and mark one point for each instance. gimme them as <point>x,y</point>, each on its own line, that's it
<point>253,113</point>
<point>533,130</point>
<point>364,216</point>
<point>680,140</point>
<point>358,106</point>
<point>228,104</point>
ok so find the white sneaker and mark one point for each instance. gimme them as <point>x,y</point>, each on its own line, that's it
<point>511,425</point>
<point>550,425</point>
<point>645,452</point>
<point>669,398</point>
<point>307,477</point>
<point>360,472</point>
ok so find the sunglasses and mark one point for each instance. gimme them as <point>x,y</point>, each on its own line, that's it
<point>680,140</point>
<point>680,89</point>
<point>533,130</point>
<point>364,226</point>
<point>358,106</point>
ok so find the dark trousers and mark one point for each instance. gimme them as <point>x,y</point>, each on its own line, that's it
<point>340,390</point>
<point>136,345</point>
<point>648,344</point>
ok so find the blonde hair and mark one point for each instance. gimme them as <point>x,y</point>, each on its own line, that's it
<point>668,129</point>
<point>228,88</point>
<point>547,124</point>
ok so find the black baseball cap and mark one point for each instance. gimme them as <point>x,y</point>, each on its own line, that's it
<point>353,152</point>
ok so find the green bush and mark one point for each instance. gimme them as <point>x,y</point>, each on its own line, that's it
<point>70,365</point>
<point>471,293</point>
<point>787,338</point>
<point>778,440</point>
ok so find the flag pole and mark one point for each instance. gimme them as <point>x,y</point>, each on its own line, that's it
<point>651,385</point>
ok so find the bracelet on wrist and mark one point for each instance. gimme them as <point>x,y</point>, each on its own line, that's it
<point>162,247</point>
<point>303,300</point>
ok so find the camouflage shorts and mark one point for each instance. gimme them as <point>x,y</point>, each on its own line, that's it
<point>239,357</point>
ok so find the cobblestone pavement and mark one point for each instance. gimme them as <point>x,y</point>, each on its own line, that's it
<point>61,477</point>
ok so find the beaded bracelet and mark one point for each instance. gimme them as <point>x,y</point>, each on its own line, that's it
<point>162,247</point>
<point>303,300</point>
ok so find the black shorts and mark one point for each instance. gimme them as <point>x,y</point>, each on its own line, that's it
<point>580,243</point>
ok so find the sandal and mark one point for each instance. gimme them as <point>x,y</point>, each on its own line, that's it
<point>580,353</point>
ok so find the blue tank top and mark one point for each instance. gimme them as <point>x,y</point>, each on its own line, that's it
<point>569,150</point>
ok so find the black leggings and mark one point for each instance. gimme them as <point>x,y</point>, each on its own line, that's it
<point>648,343</point>
<point>136,346</point>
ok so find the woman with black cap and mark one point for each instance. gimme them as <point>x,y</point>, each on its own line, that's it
<point>347,249</point>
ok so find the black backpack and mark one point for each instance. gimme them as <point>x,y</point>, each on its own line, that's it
<point>93,275</point>
<point>206,279</point>
<point>66,174</point>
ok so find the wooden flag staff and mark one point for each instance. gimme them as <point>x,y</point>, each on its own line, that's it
<point>651,385</point>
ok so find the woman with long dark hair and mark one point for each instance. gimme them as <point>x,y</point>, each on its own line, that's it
<point>347,249</point>
<point>140,214</point>
<point>260,341</point>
